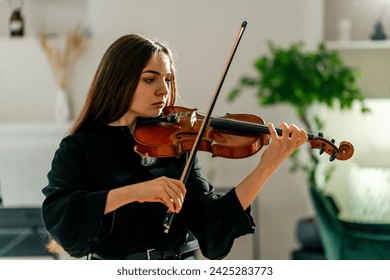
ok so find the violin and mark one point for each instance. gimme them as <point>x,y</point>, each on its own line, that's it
<point>231,136</point>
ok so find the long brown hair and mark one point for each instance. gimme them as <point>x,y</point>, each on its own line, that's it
<point>116,79</point>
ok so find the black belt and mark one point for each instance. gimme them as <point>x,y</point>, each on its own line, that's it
<point>155,254</point>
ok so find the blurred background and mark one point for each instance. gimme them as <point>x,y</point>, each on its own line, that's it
<point>36,109</point>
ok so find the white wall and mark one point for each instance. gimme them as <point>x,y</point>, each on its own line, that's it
<point>202,33</point>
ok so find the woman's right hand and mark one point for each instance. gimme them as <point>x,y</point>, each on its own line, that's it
<point>170,192</point>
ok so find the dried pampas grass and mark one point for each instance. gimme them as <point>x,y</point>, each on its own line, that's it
<point>63,61</point>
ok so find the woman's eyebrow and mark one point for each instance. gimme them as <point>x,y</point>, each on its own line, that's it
<point>154,72</point>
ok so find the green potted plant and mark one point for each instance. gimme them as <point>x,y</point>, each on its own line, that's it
<point>302,79</point>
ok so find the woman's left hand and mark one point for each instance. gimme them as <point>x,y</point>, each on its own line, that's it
<point>281,147</point>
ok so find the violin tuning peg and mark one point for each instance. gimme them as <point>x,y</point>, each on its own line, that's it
<point>322,150</point>
<point>333,141</point>
<point>320,134</point>
<point>332,157</point>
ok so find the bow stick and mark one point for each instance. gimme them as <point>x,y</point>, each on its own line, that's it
<point>169,216</point>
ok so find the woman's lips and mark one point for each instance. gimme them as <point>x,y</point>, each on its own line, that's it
<point>159,104</point>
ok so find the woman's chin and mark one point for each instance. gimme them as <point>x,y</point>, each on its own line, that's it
<point>154,114</point>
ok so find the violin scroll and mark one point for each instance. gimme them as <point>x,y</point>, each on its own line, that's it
<point>343,152</point>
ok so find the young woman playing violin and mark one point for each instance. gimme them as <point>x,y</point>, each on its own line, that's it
<point>103,202</point>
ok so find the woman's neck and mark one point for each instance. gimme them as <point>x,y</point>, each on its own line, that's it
<point>125,121</point>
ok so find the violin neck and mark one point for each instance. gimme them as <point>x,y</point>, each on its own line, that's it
<point>245,127</point>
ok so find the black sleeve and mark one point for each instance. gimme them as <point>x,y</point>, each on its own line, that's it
<point>72,215</point>
<point>215,220</point>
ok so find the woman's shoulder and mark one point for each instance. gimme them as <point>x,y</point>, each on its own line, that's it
<point>70,143</point>
<point>78,143</point>
<point>80,138</point>
<point>95,136</point>
<point>96,132</point>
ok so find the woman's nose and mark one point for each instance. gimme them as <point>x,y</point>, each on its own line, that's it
<point>163,89</point>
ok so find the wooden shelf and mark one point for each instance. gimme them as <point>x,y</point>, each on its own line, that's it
<point>358,45</point>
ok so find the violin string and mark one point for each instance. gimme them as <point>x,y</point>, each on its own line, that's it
<point>247,127</point>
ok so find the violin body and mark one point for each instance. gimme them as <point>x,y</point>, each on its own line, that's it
<point>167,139</point>
<point>231,136</point>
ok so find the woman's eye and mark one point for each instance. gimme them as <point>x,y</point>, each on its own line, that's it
<point>149,80</point>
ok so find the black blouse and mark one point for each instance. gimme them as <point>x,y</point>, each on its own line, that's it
<point>90,163</point>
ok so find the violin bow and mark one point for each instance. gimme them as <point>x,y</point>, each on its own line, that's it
<point>190,161</point>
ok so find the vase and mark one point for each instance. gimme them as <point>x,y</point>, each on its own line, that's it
<point>61,106</point>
